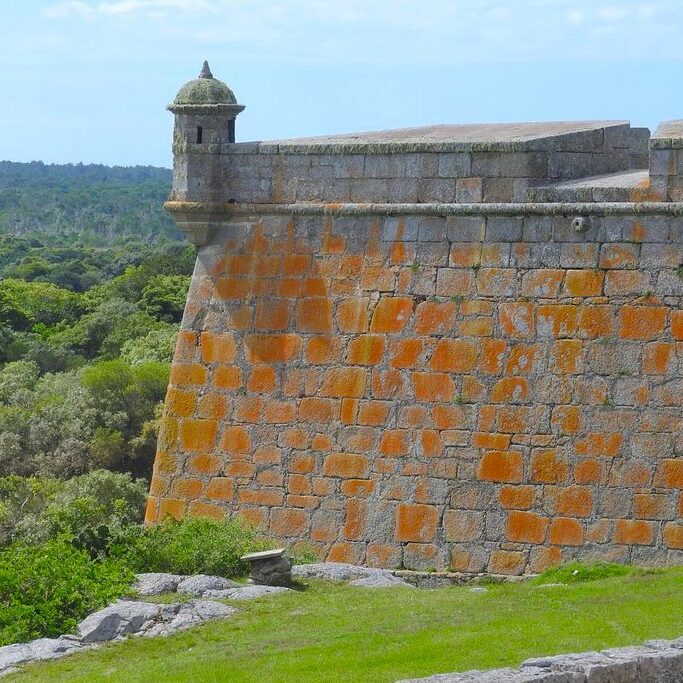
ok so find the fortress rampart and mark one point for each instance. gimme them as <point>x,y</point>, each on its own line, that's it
<point>455,346</point>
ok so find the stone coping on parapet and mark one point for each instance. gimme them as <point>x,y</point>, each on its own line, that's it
<point>669,134</point>
<point>214,210</point>
<point>560,136</point>
<point>610,187</point>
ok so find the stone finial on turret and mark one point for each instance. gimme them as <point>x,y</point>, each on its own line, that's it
<point>206,71</point>
<point>206,95</point>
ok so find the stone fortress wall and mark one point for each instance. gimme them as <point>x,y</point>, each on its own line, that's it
<point>451,347</point>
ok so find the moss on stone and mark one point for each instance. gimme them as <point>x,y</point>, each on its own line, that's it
<point>204,91</point>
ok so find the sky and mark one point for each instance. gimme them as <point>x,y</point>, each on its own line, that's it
<point>88,80</point>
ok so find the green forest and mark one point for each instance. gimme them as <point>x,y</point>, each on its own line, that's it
<point>94,276</point>
<point>93,280</point>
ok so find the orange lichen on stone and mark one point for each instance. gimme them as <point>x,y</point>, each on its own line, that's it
<point>391,314</point>
<point>314,314</point>
<point>517,319</point>
<point>433,386</point>
<point>584,282</point>
<point>548,467</point>
<point>642,322</point>
<point>566,531</point>
<point>416,523</point>
<point>352,315</point>
<point>262,379</point>
<point>198,435</point>
<point>633,532</point>
<point>573,501</point>
<point>271,348</point>
<point>517,497</point>
<point>344,382</point>
<point>501,466</point>
<point>227,377</point>
<point>272,314</point>
<point>436,318</point>
<point>366,349</point>
<point>454,355</point>
<point>607,445</point>
<point>347,465</point>
<point>526,527</point>
<point>677,325</point>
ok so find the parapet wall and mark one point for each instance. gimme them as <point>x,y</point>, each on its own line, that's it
<point>466,163</point>
<point>480,386</point>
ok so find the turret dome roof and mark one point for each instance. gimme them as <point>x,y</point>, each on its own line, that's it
<point>205,91</point>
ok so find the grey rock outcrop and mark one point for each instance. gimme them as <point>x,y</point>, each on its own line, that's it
<point>200,583</point>
<point>156,583</point>
<point>335,571</point>
<point>147,619</point>
<point>179,617</point>
<point>659,661</point>
<point>252,592</point>
<point>41,649</point>
<point>119,619</point>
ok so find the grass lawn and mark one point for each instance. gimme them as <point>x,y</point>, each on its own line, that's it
<point>332,632</point>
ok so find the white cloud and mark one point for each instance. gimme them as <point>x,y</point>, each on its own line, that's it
<point>69,8</point>
<point>401,31</point>
<point>151,8</point>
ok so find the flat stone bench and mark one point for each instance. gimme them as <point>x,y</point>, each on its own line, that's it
<point>269,567</point>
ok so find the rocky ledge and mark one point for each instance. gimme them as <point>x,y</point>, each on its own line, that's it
<point>139,618</point>
<point>656,661</point>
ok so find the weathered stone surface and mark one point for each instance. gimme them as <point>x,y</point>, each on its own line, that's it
<point>12,656</point>
<point>186,615</point>
<point>502,676</point>
<point>154,583</point>
<point>269,567</point>
<point>334,571</point>
<point>247,592</point>
<point>656,662</point>
<point>120,619</point>
<point>200,583</point>
<point>142,618</point>
<point>386,580</point>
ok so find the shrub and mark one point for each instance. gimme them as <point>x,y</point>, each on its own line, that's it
<point>91,509</point>
<point>46,589</point>
<point>190,546</point>
<point>95,507</point>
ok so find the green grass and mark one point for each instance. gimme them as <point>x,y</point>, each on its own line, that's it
<point>576,572</point>
<point>333,632</point>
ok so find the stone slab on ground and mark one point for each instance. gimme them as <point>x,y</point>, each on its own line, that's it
<point>200,583</point>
